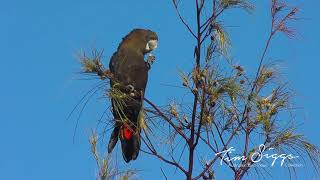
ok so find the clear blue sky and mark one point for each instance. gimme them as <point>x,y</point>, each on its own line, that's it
<point>38,42</point>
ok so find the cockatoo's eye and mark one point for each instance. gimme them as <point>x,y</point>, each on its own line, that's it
<point>151,45</point>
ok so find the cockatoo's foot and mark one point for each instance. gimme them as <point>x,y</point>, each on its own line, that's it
<point>150,60</point>
<point>130,88</point>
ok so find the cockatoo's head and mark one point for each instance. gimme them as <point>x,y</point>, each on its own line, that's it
<point>142,40</point>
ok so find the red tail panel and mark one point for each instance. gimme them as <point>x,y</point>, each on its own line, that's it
<point>127,133</point>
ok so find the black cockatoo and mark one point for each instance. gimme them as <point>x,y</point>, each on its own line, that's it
<point>130,71</point>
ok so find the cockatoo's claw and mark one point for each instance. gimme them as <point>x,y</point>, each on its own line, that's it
<point>150,60</point>
<point>130,88</point>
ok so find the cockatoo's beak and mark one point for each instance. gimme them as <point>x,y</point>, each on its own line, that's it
<point>151,45</point>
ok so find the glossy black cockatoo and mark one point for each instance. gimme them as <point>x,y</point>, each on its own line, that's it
<point>130,72</point>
